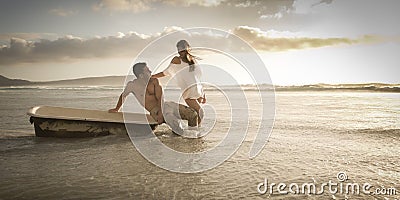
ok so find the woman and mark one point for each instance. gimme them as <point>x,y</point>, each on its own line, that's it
<point>187,74</point>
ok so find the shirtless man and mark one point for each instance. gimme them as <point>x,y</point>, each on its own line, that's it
<point>151,98</point>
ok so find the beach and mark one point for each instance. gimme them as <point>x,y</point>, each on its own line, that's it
<point>316,135</point>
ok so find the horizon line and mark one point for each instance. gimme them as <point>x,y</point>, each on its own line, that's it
<point>244,84</point>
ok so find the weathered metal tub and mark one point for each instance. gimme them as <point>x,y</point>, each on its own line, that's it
<point>52,121</point>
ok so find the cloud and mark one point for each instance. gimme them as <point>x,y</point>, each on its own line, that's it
<point>135,6</point>
<point>267,8</point>
<point>70,48</point>
<point>205,3</point>
<point>273,9</point>
<point>266,41</point>
<point>322,2</point>
<point>62,12</point>
<point>27,36</point>
<point>305,7</point>
<point>277,15</point>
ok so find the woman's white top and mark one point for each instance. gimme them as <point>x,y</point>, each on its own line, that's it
<point>188,81</point>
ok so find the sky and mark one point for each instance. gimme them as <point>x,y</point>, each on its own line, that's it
<point>298,41</point>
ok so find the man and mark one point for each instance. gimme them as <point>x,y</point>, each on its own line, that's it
<point>149,93</point>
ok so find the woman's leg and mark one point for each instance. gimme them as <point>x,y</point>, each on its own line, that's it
<point>193,103</point>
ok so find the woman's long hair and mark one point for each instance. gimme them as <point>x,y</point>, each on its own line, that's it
<point>183,45</point>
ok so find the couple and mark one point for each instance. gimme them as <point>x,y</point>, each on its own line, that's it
<point>149,93</point>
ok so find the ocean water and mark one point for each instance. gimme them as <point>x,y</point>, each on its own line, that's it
<point>316,135</point>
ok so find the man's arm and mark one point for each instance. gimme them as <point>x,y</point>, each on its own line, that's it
<point>119,103</point>
<point>128,89</point>
<point>159,96</point>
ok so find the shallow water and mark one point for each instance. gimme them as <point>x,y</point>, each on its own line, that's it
<point>316,135</point>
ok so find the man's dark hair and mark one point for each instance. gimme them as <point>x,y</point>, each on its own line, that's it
<point>138,68</point>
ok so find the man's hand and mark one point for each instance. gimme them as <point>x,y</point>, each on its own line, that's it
<point>113,110</point>
<point>202,99</point>
<point>119,104</point>
<point>160,117</point>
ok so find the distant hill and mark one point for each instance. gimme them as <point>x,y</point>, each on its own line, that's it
<point>377,87</point>
<point>91,81</point>
<point>4,81</point>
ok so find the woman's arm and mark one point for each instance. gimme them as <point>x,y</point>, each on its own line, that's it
<point>175,60</point>
<point>158,75</point>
